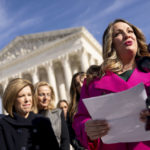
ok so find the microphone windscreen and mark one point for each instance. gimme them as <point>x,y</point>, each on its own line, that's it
<point>143,64</point>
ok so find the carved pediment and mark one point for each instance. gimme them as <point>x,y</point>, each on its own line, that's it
<point>23,45</point>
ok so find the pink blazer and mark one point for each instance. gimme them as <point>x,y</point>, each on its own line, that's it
<point>108,84</point>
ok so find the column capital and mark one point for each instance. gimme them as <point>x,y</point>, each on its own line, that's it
<point>46,63</point>
<point>81,51</point>
<point>32,70</point>
<point>64,58</point>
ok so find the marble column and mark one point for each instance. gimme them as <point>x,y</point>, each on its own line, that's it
<point>62,91</point>
<point>75,70</point>
<point>84,60</point>
<point>1,106</point>
<point>5,83</point>
<point>67,71</point>
<point>1,93</point>
<point>61,86</point>
<point>35,78</point>
<point>51,78</point>
<point>92,61</point>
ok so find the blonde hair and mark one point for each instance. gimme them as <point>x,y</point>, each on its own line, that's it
<point>11,93</point>
<point>111,61</point>
<point>43,83</point>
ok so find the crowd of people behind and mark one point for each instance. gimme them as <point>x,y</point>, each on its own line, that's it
<point>32,113</point>
<point>35,123</point>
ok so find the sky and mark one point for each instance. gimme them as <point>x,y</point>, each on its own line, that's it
<point>21,17</point>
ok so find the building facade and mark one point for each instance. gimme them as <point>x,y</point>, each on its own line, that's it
<point>49,56</point>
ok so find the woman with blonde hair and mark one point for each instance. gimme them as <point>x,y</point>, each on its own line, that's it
<point>21,128</point>
<point>123,45</point>
<point>45,98</point>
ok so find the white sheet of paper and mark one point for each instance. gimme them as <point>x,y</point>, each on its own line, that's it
<point>122,111</point>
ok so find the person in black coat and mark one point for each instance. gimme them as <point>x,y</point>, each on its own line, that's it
<point>22,129</point>
<point>63,104</point>
<point>1,115</point>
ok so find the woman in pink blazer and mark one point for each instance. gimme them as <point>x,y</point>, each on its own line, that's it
<point>123,45</point>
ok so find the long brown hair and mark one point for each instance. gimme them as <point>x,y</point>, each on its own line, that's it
<point>74,95</point>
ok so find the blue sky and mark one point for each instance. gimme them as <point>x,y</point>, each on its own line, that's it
<point>20,17</point>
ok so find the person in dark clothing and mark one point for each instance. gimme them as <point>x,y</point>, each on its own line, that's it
<point>22,129</point>
<point>143,63</point>
<point>1,115</point>
<point>63,104</point>
<point>148,47</point>
<point>75,88</point>
<point>92,72</point>
<point>45,98</point>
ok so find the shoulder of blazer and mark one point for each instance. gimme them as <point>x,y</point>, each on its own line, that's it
<point>56,111</point>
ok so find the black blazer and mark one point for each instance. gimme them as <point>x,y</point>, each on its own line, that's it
<point>1,115</point>
<point>32,133</point>
<point>73,140</point>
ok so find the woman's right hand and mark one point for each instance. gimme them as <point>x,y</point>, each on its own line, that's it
<point>144,114</point>
<point>96,128</point>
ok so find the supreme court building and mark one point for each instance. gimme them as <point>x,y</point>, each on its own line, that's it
<point>49,56</point>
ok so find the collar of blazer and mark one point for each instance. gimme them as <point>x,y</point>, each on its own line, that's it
<point>112,82</point>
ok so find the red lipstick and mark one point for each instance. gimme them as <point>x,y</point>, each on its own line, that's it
<point>128,43</point>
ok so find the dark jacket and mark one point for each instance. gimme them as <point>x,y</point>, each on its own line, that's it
<point>59,125</point>
<point>32,133</point>
<point>73,140</point>
<point>2,115</point>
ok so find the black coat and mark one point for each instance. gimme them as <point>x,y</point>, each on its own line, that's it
<point>32,133</point>
<point>73,140</point>
<point>2,115</point>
